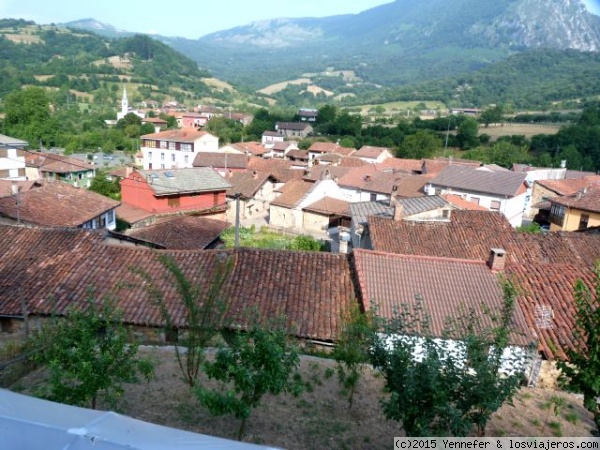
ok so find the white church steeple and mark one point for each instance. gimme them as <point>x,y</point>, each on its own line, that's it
<point>124,103</point>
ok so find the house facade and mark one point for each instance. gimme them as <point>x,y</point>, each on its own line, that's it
<point>12,165</point>
<point>578,212</point>
<point>198,190</point>
<point>298,130</point>
<point>504,192</point>
<point>175,149</point>
<point>254,190</point>
<point>54,167</point>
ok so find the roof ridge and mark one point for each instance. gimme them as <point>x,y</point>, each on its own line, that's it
<point>422,257</point>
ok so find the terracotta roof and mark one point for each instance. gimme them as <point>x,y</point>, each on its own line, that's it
<point>460,203</point>
<point>329,207</point>
<point>283,146</point>
<point>246,183</point>
<point>182,232</point>
<point>586,201</point>
<point>568,187</point>
<point>254,148</point>
<point>292,192</point>
<point>280,169</point>
<point>220,159</point>
<point>330,158</point>
<point>56,204</point>
<point>6,186</point>
<point>319,172</point>
<point>55,269</point>
<point>330,147</point>
<point>546,298</point>
<point>271,133</point>
<point>131,214</point>
<point>177,181</point>
<point>50,162</point>
<point>439,164</point>
<point>408,165</point>
<point>412,186</point>
<point>367,151</point>
<point>298,154</point>
<point>351,161</point>
<point>506,184</point>
<point>188,134</point>
<point>448,288</point>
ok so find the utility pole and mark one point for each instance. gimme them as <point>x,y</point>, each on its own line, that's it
<point>237,220</point>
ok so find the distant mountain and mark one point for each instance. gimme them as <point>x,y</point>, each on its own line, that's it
<point>97,27</point>
<point>397,42</point>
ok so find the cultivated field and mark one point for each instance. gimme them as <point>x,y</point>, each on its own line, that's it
<point>519,129</point>
<point>277,87</point>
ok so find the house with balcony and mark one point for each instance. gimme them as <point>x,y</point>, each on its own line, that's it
<point>175,149</point>
<point>198,190</point>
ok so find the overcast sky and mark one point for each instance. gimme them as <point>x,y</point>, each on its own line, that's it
<point>186,19</point>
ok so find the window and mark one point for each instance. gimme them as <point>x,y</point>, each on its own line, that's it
<point>149,155</point>
<point>80,175</point>
<point>162,156</point>
<point>495,205</point>
<point>163,144</point>
<point>162,166</point>
<point>186,159</point>
<point>173,157</point>
<point>172,146</point>
<point>173,202</point>
<point>150,144</point>
<point>557,214</point>
<point>102,221</point>
<point>149,166</point>
<point>583,221</point>
<point>186,147</point>
<point>475,200</point>
<point>111,216</point>
<point>373,197</point>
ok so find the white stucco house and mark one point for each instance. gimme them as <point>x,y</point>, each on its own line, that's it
<point>175,149</point>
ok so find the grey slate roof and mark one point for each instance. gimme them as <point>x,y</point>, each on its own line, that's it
<point>417,205</point>
<point>361,210</point>
<point>7,141</point>
<point>505,184</point>
<point>177,181</point>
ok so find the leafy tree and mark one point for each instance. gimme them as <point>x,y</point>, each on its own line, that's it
<point>492,115</point>
<point>308,243</point>
<point>256,363</point>
<point>205,310</point>
<point>467,133</point>
<point>89,354</point>
<point>446,386</point>
<point>103,186</point>
<point>351,350</point>
<point>581,373</point>
<point>422,144</point>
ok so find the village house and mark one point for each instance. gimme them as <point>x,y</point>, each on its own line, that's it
<point>51,166</point>
<point>298,130</point>
<point>254,190</point>
<point>281,149</point>
<point>319,148</point>
<point>157,123</point>
<point>57,204</point>
<point>224,163</point>
<point>12,165</point>
<point>269,138</point>
<point>192,120</point>
<point>577,212</point>
<point>175,149</point>
<point>371,154</point>
<point>503,192</point>
<point>198,190</point>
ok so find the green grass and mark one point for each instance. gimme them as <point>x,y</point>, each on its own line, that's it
<point>264,238</point>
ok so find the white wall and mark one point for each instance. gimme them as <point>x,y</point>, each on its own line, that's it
<point>13,163</point>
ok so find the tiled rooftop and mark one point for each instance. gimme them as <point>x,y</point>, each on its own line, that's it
<point>56,204</point>
<point>221,159</point>
<point>188,134</point>
<point>587,200</point>
<point>177,181</point>
<point>417,205</point>
<point>246,183</point>
<point>367,151</point>
<point>330,207</point>
<point>292,192</point>
<point>507,184</point>
<point>182,232</point>
<point>54,269</point>
<point>447,288</point>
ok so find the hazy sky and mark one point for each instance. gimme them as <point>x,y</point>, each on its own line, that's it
<point>187,19</point>
<point>593,6</point>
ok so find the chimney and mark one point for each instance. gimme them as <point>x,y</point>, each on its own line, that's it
<point>497,259</point>
<point>14,188</point>
<point>367,178</point>
<point>255,174</point>
<point>398,210</point>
